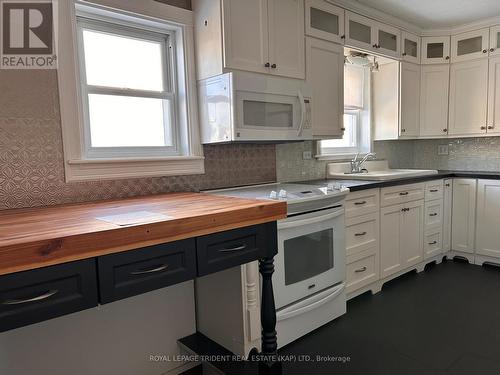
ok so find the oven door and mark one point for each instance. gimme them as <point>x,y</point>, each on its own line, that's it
<point>311,255</point>
<point>263,116</point>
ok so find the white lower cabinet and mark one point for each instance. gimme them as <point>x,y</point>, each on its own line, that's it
<point>362,269</point>
<point>433,243</point>
<point>488,218</point>
<point>463,215</point>
<point>401,236</point>
<point>447,204</point>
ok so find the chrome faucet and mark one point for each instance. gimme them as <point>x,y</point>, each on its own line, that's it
<point>356,165</point>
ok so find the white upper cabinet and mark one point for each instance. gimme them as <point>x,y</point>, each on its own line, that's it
<point>434,84</point>
<point>435,50</point>
<point>468,97</point>
<point>246,36</point>
<point>470,45</point>
<point>324,21</point>
<point>286,37</point>
<point>494,40</point>
<point>493,123</point>
<point>409,100</point>
<point>410,47</point>
<point>262,36</point>
<point>368,34</point>
<point>325,74</point>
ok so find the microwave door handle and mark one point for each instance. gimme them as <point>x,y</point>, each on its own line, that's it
<point>298,223</point>
<point>302,112</point>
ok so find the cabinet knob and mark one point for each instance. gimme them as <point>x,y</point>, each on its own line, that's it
<point>274,66</point>
<point>374,46</point>
<point>491,127</point>
<point>483,127</point>
<point>492,49</point>
<point>342,36</point>
<point>445,130</point>
<point>343,129</point>
<point>485,50</point>
<point>403,130</point>
<point>403,54</point>
<point>267,65</point>
<point>447,58</point>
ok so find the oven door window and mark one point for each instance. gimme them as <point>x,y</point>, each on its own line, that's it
<point>308,256</point>
<point>267,114</point>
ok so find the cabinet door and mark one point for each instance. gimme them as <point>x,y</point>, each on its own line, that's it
<point>360,31</point>
<point>435,49</point>
<point>324,21</point>
<point>468,97</point>
<point>410,47</point>
<point>412,234</point>
<point>325,75</point>
<point>246,37</point>
<point>447,203</point>
<point>409,100</point>
<point>286,37</point>
<point>434,100</point>
<point>493,124</point>
<point>388,40</point>
<point>494,40</point>
<point>470,45</point>
<point>463,215</point>
<point>390,239</point>
<point>488,218</point>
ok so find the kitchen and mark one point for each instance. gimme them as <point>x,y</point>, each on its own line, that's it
<point>295,246</point>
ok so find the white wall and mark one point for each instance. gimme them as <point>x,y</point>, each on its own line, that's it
<point>113,339</point>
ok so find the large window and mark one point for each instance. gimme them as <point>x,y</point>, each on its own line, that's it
<point>356,116</point>
<point>127,90</point>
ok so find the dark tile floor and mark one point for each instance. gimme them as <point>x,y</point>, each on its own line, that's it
<point>445,320</point>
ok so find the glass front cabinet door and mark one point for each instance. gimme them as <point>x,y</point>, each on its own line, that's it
<point>494,40</point>
<point>470,45</point>
<point>360,31</point>
<point>435,49</point>
<point>325,21</point>
<point>410,47</point>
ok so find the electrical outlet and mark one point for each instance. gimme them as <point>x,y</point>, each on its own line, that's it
<point>307,155</point>
<point>443,150</point>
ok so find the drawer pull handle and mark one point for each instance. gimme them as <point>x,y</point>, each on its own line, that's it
<point>360,234</point>
<point>434,190</point>
<point>403,193</point>
<point>362,269</point>
<point>152,270</point>
<point>229,250</point>
<point>360,203</point>
<point>433,214</point>
<point>42,297</point>
<point>433,243</point>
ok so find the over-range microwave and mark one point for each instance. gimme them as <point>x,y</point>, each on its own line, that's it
<point>251,107</point>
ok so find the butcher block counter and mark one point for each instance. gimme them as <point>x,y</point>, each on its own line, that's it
<point>39,237</point>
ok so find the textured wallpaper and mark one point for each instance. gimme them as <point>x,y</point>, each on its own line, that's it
<point>32,163</point>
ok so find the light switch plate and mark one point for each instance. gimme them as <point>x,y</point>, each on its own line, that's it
<point>307,155</point>
<point>443,150</point>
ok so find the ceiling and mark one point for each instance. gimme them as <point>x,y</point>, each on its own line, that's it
<point>437,14</point>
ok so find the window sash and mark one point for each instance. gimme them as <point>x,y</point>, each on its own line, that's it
<point>165,40</point>
<point>346,151</point>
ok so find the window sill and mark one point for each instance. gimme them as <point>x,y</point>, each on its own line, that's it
<point>110,169</point>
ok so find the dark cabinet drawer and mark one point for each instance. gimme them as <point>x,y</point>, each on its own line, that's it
<point>138,271</point>
<point>41,294</point>
<point>231,248</point>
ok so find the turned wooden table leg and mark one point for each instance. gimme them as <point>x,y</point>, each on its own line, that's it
<point>268,311</point>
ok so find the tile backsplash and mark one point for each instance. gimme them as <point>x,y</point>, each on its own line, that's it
<point>32,161</point>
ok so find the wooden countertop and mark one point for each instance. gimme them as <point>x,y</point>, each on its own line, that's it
<point>39,237</point>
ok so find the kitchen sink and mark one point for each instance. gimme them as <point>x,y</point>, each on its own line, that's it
<point>376,170</point>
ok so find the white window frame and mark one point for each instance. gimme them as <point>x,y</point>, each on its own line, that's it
<point>81,161</point>
<point>342,152</point>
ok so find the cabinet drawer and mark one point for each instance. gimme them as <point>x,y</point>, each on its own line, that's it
<point>33,296</point>
<point>434,190</point>
<point>362,272</point>
<point>433,214</point>
<point>362,233</point>
<point>134,272</point>
<point>433,244</point>
<point>401,194</point>
<point>362,202</point>
<point>223,250</point>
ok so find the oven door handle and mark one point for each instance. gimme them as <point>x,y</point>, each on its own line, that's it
<point>287,314</point>
<point>298,223</point>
